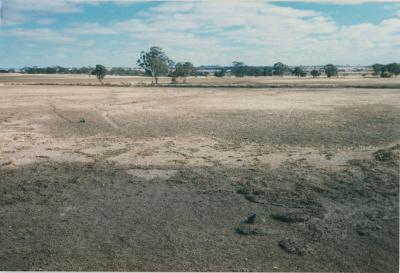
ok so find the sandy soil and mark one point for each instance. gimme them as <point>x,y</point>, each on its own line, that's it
<point>142,179</point>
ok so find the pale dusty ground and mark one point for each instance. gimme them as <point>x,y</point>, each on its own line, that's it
<point>162,179</point>
<point>76,79</point>
<point>27,138</point>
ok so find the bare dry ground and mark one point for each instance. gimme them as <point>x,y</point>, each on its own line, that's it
<point>143,179</point>
<point>276,81</point>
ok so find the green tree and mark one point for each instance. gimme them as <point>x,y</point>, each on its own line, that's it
<point>221,73</point>
<point>330,70</point>
<point>156,62</point>
<point>393,68</point>
<point>315,73</point>
<point>385,73</point>
<point>299,72</point>
<point>184,70</point>
<point>268,71</point>
<point>280,69</point>
<point>239,69</point>
<point>100,71</point>
<point>377,69</point>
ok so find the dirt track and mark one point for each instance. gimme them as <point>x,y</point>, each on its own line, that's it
<point>137,179</point>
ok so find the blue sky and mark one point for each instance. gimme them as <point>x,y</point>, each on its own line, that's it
<point>82,32</point>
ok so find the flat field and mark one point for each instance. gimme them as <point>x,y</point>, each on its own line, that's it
<point>276,81</point>
<point>141,179</point>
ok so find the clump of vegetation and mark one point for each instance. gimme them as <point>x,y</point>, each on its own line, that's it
<point>239,69</point>
<point>330,70</point>
<point>377,69</point>
<point>385,155</point>
<point>299,72</point>
<point>386,71</point>
<point>100,71</point>
<point>183,70</point>
<point>280,69</point>
<point>315,73</point>
<point>220,73</point>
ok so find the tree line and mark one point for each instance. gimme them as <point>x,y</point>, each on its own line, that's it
<point>117,71</point>
<point>156,63</point>
<point>239,69</point>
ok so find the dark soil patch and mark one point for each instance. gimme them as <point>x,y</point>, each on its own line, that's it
<point>97,217</point>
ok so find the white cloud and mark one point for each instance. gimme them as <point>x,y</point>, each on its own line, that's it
<point>205,32</point>
<point>256,32</point>
<point>336,2</point>
<point>44,21</point>
<point>59,6</point>
<point>41,35</point>
<point>91,29</point>
<point>20,11</point>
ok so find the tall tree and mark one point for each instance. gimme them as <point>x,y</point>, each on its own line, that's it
<point>377,69</point>
<point>155,61</point>
<point>100,71</point>
<point>221,73</point>
<point>268,71</point>
<point>330,70</point>
<point>299,72</point>
<point>393,68</point>
<point>280,69</point>
<point>239,69</point>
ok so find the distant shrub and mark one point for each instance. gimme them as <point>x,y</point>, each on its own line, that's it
<point>220,73</point>
<point>330,70</point>
<point>100,71</point>
<point>315,73</point>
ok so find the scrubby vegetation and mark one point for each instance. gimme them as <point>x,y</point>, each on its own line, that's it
<point>330,70</point>
<point>115,71</point>
<point>183,70</point>
<point>386,71</point>
<point>315,73</point>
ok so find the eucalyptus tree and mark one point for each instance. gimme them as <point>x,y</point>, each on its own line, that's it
<point>156,62</point>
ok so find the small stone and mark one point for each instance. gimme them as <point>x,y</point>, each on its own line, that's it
<point>82,120</point>
<point>292,247</point>
<point>251,219</point>
<point>251,198</point>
